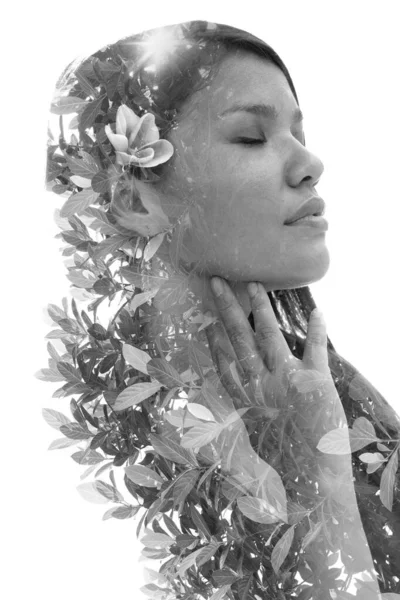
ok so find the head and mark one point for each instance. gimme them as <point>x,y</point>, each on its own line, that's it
<point>241,175</point>
<point>235,176</point>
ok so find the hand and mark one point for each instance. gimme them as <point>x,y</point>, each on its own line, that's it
<point>301,402</point>
<point>301,390</point>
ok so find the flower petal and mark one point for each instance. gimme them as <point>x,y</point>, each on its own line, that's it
<point>123,158</point>
<point>119,142</point>
<point>141,157</point>
<point>126,121</point>
<point>148,131</point>
<point>163,150</point>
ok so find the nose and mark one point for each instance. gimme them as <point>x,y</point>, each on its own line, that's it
<point>304,167</point>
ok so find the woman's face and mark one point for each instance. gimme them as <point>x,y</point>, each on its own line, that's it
<point>241,195</point>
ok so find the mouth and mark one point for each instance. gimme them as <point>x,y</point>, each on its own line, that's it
<point>313,208</point>
<point>316,220</point>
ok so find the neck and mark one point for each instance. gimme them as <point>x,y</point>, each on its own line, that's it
<point>200,286</point>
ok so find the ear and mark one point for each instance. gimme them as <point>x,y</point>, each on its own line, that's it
<point>147,225</point>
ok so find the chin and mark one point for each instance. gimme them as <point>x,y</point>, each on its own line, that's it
<point>310,271</point>
<point>300,274</point>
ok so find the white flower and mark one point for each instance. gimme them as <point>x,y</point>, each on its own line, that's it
<point>137,140</point>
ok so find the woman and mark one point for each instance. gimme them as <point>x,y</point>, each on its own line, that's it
<point>218,182</point>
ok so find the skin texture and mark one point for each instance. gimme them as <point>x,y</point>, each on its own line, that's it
<point>240,195</point>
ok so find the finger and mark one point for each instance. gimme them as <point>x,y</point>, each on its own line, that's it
<point>270,340</point>
<point>222,361</point>
<point>237,327</point>
<point>234,388</point>
<point>218,340</point>
<point>316,351</point>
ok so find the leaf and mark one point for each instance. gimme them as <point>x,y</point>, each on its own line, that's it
<point>200,411</point>
<point>54,418</point>
<point>281,549</point>
<point>89,492</point>
<point>144,476</point>
<point>335,442</point>
<point>171,450</point>
<point>109,491</point>
<point>157,540</point>
<point>140,299</point>
<point>78,202</point>
<point>80,280</point>
<point>199,356</point>
<point>224,576</point>
<point>383,448</point>
<point>372,457</point>
<point>372,467</point>
<point>48,375</point>
<point>258,509</point>
<point>207,552</point>
<point>171,525</point>
<point>296,512</point>
<point>200,523</point>
<point>103,181</point>
<point>200,435</point>
<point>184,486</point>
<point>83,165</point>
<point>188,562</point>
<point>244,585</point>
<point>90,112</point>
<point>361,434</point>
<point>184,540</point>
<point>90,457</point>
<point>68,371</point>
<point>121,512</point>
<point>75,431</point>
<point>61,443</point>
<point>164,372</point>
<point>153,245</point>
<point>157,506</point>
<point>308,380</point>
<point>234,416</point>
<point>81,182</point>
<point>171,292</point>
<point>136,357</point>
<point>151,575</point>
<point>180,418</point>
<point>221,593</point>
<point>134,394</point>
<point>67,105</point>
<point>312,534</point>
<point>154,553</point>
<point>388,480</point>
<point>154,591</point>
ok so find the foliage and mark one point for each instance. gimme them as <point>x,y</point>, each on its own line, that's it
<point>147,398</point>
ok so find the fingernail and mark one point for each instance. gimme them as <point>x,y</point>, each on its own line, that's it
<point>252,288</point>
<point>217,286</point>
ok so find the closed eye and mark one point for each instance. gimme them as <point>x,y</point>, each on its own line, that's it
<point>249,141</point>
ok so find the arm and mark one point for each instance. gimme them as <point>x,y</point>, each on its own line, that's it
<point>301,405</point>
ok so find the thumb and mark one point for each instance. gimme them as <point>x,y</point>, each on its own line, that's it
<point>316,351</point>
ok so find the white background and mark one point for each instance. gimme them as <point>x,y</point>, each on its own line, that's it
<point>343,57</point>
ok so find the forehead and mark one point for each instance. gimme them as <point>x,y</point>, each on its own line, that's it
<point>244,77</point>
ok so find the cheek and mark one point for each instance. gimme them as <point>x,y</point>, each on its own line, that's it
<point>242,206</point>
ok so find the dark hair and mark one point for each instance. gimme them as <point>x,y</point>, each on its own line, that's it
<point>192,67</point>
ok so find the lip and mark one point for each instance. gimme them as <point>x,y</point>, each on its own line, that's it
<point>310,221</point>
<point>309,207</point>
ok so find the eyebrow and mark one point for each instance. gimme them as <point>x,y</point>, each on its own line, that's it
<point>265,110</point>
